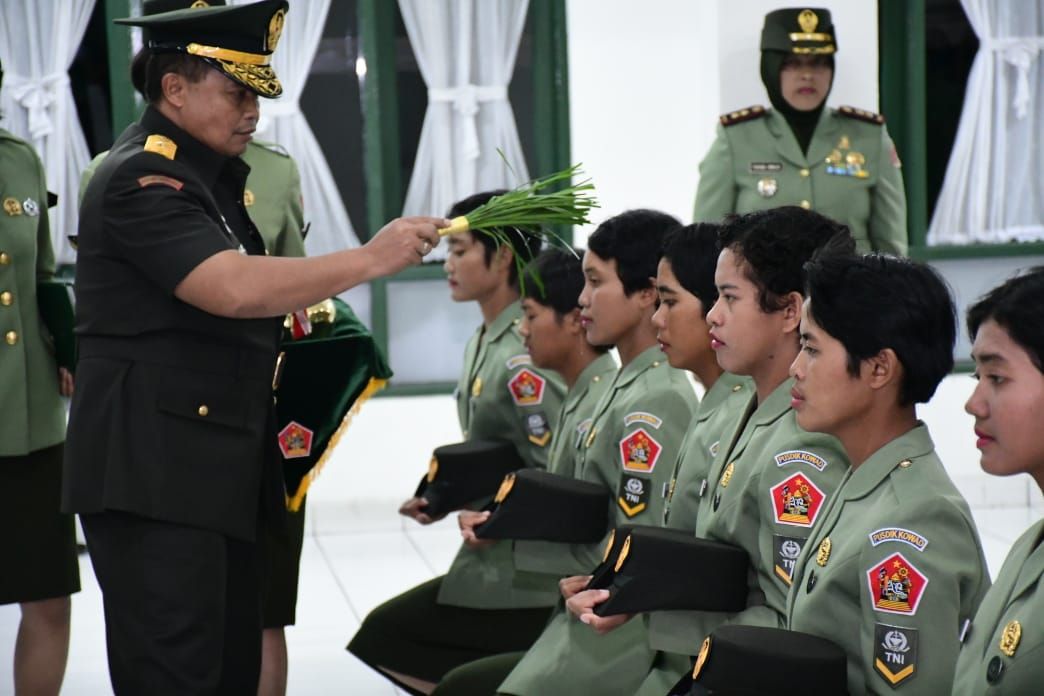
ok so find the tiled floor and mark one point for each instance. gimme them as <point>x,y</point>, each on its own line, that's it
<point>359,552</point>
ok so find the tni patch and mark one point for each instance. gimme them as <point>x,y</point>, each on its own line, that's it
<point>787,549</point>
<point>797,501</point>
<point>295,441</point>
<point>633,495</point>
<point>537,429</point>
<point>896,586</point>
<point>639,451</point>
<point>895,653</point>
<point>527,388</point>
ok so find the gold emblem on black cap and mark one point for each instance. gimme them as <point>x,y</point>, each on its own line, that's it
<point>275,29</point>
<point>702,657</point>
<point>624,550</point>
<point>808,21</point>
<point>609,545</point>
<point>433,469</point>
<point>505,487</point>
<point>199,4</point>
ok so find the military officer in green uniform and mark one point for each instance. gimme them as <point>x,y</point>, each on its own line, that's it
<point>769,479</point>
<point>556,341</point>
<point>1003,647</point>
<point>635,435</point>
<point>839,162</point>
<point>893,570</point>
<point>38,540</point>
<point>484,605</point>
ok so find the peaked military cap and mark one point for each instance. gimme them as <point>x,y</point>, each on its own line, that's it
<point>739,660</point>
<point>536,504</point>
<point>236,40</point>
<point>797,30</point>
<point>602,575</point>
<point>465,472</point>
<point>663,568</point>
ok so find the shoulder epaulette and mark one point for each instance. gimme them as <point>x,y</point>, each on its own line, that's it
<point>861,115</point>
<point>161,145</point>
<point>748,114</point>
<point>271,147</point>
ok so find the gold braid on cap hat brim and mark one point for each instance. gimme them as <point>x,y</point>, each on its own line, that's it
<point>260,78</point>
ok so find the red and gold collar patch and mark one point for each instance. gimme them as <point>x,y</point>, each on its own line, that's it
<point>797,501</point>
<point>295,440</point>
<point>527,388</point>
<point>639,451</point>
<point>896,586</point>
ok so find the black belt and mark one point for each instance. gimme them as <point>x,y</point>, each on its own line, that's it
<point>182,351</point>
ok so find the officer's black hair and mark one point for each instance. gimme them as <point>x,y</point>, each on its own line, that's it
<point>692,251</point>
<point>555,279</point>
<point>525,243</point>
<point>148,68</point>
<point>873,302</point>
<point>633,239</point>
<point>776,243</point>
<point>1017,305</point>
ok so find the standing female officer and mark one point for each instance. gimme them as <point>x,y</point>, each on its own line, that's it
<point>1004,648</point>
<point>894,567</point>
<point>839,162</point>
<point>39,543</point>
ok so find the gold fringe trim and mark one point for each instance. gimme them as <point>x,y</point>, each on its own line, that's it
<point>293,504</point>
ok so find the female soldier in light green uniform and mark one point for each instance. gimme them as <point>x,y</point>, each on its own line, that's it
<point>839,162</point>
<point>894,568</point>
<point>484,605</point>
<point>1004,646</point>
<point>41,568</point>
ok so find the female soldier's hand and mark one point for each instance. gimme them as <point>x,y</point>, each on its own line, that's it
<point>582,606</point>
<point>467,520</point>
<point>573,584</point>
<point>65,382</point>
<point>414,508</point>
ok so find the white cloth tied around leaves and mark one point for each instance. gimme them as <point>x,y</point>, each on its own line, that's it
<point>38,96</point>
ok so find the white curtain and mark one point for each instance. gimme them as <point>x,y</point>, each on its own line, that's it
<point>992,191</point>
<point>466,53</point>
<point>38,41</point>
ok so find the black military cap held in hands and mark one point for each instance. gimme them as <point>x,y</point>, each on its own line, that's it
<point>536,504</point>
<point>602,575</point>
<point>755,661</point>
<point>466,472</point>
<point>662,568</point>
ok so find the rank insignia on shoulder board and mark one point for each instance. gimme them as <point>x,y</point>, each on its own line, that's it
<point>526,387</point>
<point>896,586</point>
<point>895,653</point>
<point>797,501</point>
<point>639,451</point>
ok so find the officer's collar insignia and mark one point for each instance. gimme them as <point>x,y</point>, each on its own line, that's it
<point>12,206</point>
<point>1009,641</point>
<point>895,653</point>
<point>160,180</point>
<point>896,586</point>
<point>161,145</point>
<point>701,659</point>
<point>30,207</point>
<point>823,555</point>
<point>248,198</point>
<point>295,441</point>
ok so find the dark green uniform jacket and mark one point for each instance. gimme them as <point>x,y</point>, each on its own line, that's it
<point>33,416</point>
<point>850,174</point>
<point>501,395</point>
<point>1004,649</point>
<point>892,570</point>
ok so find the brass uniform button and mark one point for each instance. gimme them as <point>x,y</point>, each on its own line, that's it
<point>11,337</point>
<point>804,173</point>
<point>203,410</point>
<point>656,363</point>
<point>806,205</point>
<point>905,464</point>
<point>5,258</point>
<point>736,387</point>
<point>6,298</point>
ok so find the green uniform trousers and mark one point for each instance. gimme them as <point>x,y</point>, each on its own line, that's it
<point>479,678</point>
<point>413,634</point>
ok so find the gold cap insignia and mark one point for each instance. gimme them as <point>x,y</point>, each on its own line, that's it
<point>505,487</point>
<point>433,469</point>
<point>808,21</point>
<point>12,206</point>
<point>275,29</point>
<point>609,545</point>
<point>823,555</point>
<point>624,550</point>
<point>702,657</point>
<point>161,145</point>
<point>199,4</point>
<point>1009,641</point>
<point>248,198</point>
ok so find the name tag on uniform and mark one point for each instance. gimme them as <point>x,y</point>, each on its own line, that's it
<point>759,167</point>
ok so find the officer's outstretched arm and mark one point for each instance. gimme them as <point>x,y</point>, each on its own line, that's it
<point>230,284</point>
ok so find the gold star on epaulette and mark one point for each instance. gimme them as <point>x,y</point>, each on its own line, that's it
<point>748,114</point>
<point>861,115</point>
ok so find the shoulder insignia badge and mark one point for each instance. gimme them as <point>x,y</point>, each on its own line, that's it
<point>160,180</point>
<point>12,206</point>
<point>748,114</point>
<point>895,653</point>
<point>797,501</point>
<point>526,387</point>
<point>898,534</point>
<point>633,495</point>
<point>800,457</point>
<point>518,361</point>
<point>896,586</point>
<point>295,441</point>
<point>161,145</point>
<point>861,115</point>
<point>642,417</point>
<point>639,451</point>
<point>538,430</point>
<point>787,551</point>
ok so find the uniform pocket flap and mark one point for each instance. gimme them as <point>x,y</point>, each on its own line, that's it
<point>205,404</point>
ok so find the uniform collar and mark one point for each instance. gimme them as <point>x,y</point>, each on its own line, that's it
<point>818,148</point>
<point>598,369</point>
<point>206,163</point>
<point>719,392</point>
<point>775,404</point>
<point>1030,561</point>
<point>508,317</point>
<point>648,358</point>
<point>907,447</point>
